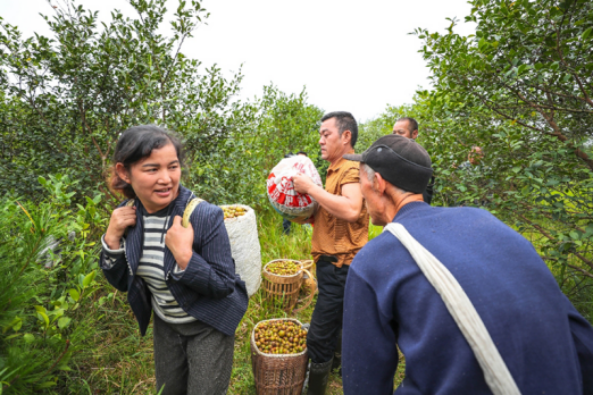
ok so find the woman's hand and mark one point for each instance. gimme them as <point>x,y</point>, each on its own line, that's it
<point>121,218</point>
<point>179,240</point>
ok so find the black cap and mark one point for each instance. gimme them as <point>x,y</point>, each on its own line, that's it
<point>400,160</point>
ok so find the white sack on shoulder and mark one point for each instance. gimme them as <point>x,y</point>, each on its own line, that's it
<point>245,248</point>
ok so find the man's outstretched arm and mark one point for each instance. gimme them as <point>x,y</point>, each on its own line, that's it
<point>346,206</point>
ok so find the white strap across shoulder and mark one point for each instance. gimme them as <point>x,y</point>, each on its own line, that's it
<point>497,375</point>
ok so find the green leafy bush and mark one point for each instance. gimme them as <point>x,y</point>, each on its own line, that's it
<point>237,172</point>
<point>64,99</point>
<point>44,308</point>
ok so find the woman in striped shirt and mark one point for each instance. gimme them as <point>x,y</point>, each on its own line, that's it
<point>186,276</point>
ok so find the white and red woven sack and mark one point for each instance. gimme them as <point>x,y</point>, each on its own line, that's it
<point>281,194</point>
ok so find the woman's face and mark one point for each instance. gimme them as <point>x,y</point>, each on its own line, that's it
<point>155,179</point>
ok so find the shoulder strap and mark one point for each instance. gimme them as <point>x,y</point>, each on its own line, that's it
<point>194,202</point>
<point>497,375</point>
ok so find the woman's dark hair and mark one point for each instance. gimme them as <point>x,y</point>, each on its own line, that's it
<point>135,144</point>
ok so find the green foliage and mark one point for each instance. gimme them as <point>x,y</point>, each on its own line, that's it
<point>529,64</point>
<point>521,89</point>
<point>43,307</point>
<point>65,99</point>
<point>238,170</point>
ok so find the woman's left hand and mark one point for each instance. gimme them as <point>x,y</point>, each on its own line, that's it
<point>179,240</point>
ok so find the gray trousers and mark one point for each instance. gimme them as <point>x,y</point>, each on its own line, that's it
<point>192,358</point>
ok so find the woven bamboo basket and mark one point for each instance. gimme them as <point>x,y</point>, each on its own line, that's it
<point>307,264</point>
<point>284,287</point>
<point>278,374</point>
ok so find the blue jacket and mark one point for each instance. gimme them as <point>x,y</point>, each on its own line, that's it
<point>208,289</point>
<point>544,341</point>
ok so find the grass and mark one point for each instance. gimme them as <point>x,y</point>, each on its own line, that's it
<point>116,360</point>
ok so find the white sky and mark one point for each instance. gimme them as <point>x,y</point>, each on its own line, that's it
<point>353,56</point>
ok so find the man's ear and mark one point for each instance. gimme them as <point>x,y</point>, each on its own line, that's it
<point>122,172</point>
<point>346,137</point>
<point>379,183</point>
<point>415,133</point>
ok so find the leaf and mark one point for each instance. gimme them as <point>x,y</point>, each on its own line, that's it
<point>47,384</point>
<point>88,279</point>
<point>45,318</point>
<point>64,322</point>
<point>27,213</point>
<point>74,294</point>
<point>29,338</point>
<point>17,324</point>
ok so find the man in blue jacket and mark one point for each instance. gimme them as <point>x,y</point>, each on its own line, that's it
<point>544,342</point>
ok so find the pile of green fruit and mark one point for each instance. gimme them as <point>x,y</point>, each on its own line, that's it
<point>280,336</point>
<point>232,212</point>
<point>285,268</point>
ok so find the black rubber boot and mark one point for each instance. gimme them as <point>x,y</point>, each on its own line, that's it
<point>318,377</point>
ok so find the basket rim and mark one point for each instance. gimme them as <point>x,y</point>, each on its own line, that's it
<point>275,355</point>
<point>283,276</point>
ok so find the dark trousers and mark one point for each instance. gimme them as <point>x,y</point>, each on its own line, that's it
<point>192,358</point>
<point>326,321</point>
<point>286,226</point>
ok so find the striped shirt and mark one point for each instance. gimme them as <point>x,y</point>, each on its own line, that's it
<point>151,268</point>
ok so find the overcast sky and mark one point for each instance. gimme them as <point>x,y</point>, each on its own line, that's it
<point>353,56</point>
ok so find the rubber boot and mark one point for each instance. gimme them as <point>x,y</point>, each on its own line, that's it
<point>337,362</point>
<point>318,377</point>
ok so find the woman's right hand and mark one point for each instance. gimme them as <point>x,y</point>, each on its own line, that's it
<point>121,218</point>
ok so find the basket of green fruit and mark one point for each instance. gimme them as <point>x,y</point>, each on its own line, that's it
<point>283,279</point>
<point>279,356</point>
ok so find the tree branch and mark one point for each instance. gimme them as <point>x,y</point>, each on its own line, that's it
<point>546,234</point>
<point>584,272</point>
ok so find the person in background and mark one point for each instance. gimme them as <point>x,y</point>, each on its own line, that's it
<point>475,156</point>
<point>286,222</point>
<point>389,302</point>
<point>474,169</point>
<point>409,128</point>
<point>341,230</point>
<point>185,276</point>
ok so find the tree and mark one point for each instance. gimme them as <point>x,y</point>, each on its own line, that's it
<point>279,124</point>
<point>67,98</point>
<point>529,63</point>
<point>521,88</point>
